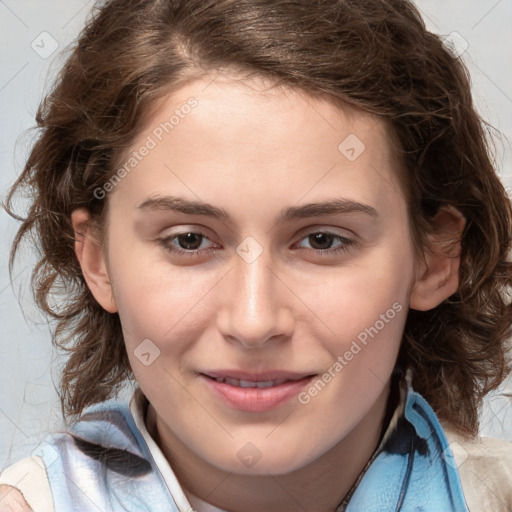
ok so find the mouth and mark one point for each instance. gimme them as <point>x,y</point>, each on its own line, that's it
<point>250,384</point>
<point>266,379</point>
<point>255,392</point>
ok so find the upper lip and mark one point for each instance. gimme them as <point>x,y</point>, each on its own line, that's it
<point>270,375</point>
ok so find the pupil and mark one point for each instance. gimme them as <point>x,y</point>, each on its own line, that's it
<point>187,241</point>
<point>320,239</point>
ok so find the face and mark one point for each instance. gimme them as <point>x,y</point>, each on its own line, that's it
<point>260,258</point>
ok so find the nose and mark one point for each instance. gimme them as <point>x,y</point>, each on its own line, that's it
<point>255,308</point>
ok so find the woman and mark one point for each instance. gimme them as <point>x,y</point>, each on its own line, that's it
<point>282,221</point>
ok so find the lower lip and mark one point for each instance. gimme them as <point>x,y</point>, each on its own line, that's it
<point>256,399</point>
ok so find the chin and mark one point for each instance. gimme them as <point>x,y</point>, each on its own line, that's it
<point>251,460</point>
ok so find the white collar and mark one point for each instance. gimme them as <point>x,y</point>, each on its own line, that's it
<point>138,408</point>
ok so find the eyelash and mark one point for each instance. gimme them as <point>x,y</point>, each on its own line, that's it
<point>166,243</point>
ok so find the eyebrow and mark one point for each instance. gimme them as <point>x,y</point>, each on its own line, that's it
<point>186,206</point>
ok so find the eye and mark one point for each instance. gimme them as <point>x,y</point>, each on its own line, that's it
<point>192,243</point>
<point>322,242</point>
<point>189,243</point>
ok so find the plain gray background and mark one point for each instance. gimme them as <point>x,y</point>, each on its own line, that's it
<point>30,29</point>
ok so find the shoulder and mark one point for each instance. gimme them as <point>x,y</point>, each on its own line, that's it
<point>24,486</point>
<point>482,450</point>
<point>485,469</point>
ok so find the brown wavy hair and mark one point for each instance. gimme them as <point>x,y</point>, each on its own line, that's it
<point>376,55</point>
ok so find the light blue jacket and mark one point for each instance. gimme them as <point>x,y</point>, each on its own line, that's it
<point>104,464</point>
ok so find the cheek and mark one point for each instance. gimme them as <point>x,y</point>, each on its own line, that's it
<point>354,297</point>
<point>364,307</point>
<point>159,302</point>
<point>162,317</point>
<point>365,313</point>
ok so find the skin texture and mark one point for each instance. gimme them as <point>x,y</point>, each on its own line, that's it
<point>11,500</point>
<point>254,150</point>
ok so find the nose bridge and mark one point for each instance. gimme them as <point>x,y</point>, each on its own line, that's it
<point>255,310</point>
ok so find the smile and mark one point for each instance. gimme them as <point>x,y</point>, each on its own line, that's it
<point>250,384</point>
<point>254,393</point>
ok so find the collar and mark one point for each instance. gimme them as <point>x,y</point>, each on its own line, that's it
<point>413,467</point>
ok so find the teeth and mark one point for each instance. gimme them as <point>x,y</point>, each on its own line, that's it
<point>247,384</point>
<point>250,384</point>
<point>266,384</point>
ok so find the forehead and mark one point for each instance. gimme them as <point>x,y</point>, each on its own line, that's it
<point>226,137</point>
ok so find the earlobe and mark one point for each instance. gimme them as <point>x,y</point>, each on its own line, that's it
<point>90,255</point>
<point>438,275</point>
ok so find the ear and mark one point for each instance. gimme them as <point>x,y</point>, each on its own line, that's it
<point>438,276</point>
<point>90,255</point>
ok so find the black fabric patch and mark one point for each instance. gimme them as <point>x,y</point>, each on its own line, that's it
<point>399,441</point>
<point>114,459</point>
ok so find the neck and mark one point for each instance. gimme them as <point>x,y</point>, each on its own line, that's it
<point>320,485</point>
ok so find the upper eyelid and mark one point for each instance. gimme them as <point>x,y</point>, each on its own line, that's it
<point>344,239</point>
<point>302,234</point>
<point>319,227</point>
<point>346,233</point>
